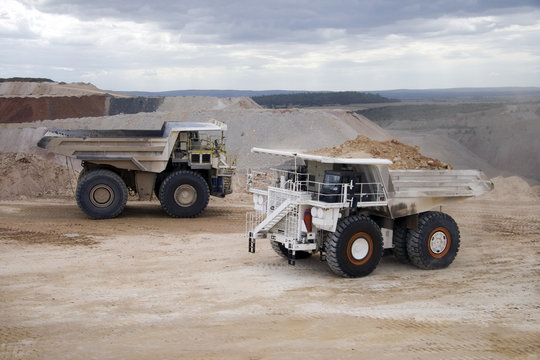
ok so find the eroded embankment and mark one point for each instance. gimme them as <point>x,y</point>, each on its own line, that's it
<point>29,109</point>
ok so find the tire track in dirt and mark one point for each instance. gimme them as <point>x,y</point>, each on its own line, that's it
<point>15,343</point>
<point>168,287</point>
<point>507,224</point>
<point>38,237</point>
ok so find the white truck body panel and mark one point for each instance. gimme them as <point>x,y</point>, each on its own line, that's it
<point>322,159</point>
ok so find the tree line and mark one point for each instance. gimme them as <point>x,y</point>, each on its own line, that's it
<point>24,79</point>
<point>320,99</point>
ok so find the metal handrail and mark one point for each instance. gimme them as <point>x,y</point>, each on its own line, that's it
<point>349,192</point>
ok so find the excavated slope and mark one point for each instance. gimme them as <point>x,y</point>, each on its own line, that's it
<point>249,125</point>
<point>36,89</point>
<point>298,129</point>
<point>28,109</point>
<point>22,102</point>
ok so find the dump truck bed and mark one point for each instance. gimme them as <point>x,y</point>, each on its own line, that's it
<point>402,192</point>
<point>144,150</point>
<point>414,191</point>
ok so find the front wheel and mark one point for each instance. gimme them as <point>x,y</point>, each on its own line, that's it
<point>101,194</point>
<point>355,248</point>
<point>435,244</point>
<point>184,194</point>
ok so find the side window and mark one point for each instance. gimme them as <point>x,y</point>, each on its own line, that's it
<point>331,188</point>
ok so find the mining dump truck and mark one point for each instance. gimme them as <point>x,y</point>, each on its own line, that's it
<point>351,211</point>
<point>182,165</point>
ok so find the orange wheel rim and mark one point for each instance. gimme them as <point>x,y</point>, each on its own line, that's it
<point>438,242</point>
<point>359,248</point>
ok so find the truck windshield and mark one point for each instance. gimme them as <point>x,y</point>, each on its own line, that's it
<point>332,179</point>
<point>331,184</point>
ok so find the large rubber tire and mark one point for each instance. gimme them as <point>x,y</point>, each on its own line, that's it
<point>436,242</point>
<point>282,251</point>
<point>101,194</point>
<point>184,194</point>
<point>399,239</point>
<point>157,183</point>
<point>355,248</point>
<point>83,173</point>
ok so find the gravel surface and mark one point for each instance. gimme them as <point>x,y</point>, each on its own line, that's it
<point>147,286</point>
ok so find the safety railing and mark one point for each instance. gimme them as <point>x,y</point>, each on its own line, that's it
<point>357,193</point>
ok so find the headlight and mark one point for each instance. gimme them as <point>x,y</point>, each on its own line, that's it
<point>261,199</point>
<point>255,198</point>
<point>320,213</point>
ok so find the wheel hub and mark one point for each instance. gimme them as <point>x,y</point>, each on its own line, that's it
<point>185,195</point>
<point>360,248</point>
<point>101,195</point>
<point>438,242</point>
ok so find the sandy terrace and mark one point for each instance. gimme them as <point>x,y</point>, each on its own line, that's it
<point>147,286</point>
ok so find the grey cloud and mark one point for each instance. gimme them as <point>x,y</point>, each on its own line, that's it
<point>259,21</point>
<point>308,44</point>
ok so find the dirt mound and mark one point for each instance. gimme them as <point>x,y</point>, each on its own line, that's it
<point>403,156</point>
<point>29,109</point>
<point>29,176</point>
<point>21,88</point>
<point>512,188</point>
<point>242,103</point>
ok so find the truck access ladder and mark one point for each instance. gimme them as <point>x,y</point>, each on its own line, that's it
<point>270,221</point>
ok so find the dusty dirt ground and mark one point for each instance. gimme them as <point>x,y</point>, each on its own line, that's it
<point>145,286</point>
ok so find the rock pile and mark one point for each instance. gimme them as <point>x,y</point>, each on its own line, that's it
<point>403,156</point>
<point>25,176</point>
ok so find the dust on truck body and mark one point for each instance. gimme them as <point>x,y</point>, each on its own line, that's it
<point>181,164</point>
<point>352,210</point>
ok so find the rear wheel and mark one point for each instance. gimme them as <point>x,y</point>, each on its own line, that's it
<point>157,184</point>
<point>399,239</point>
<point>282,251</point>
<point>355,248</point>
<point>101,194</point>
<point>83,173</point>
<point>436,242</point>
<point>184,194</point>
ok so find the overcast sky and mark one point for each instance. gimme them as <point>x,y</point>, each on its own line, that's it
<point>254,45</point>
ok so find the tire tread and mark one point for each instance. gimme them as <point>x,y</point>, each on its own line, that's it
<point>332,244</point>
<point>399,240</point>
<point>88,175</point>
<point>416,242</point>
<point>165,184</point>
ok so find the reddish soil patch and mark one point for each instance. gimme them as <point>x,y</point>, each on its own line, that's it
<point>29,109</point>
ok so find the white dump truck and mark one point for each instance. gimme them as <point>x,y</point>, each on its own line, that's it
<point>352,210</point>
<point>182,165</point>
